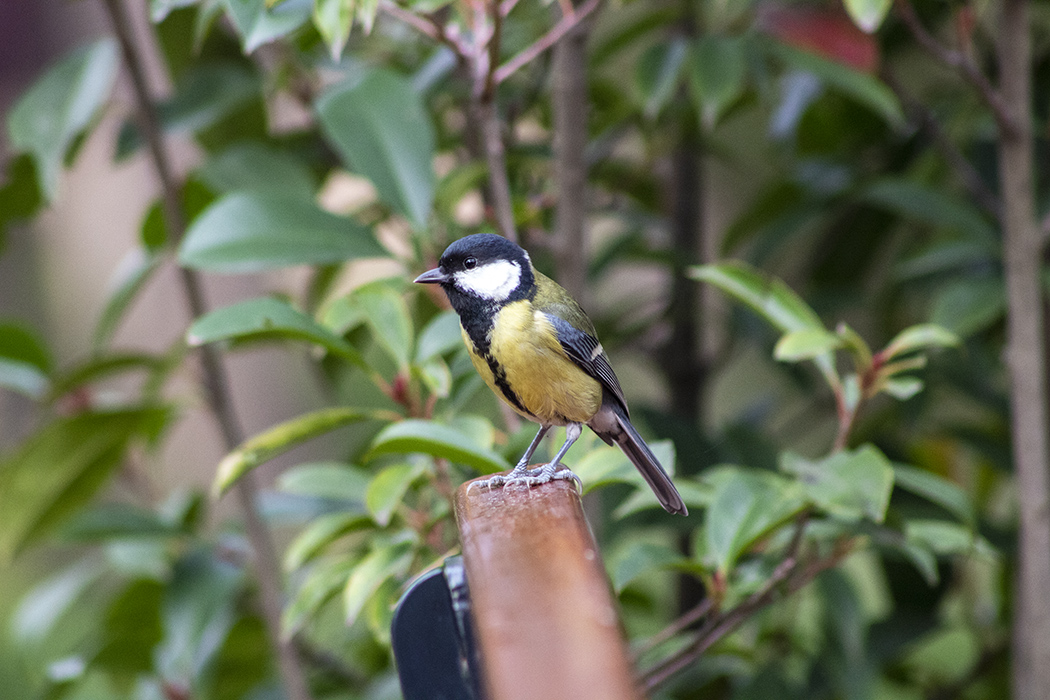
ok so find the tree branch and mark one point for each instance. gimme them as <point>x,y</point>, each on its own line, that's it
<point>968,175</point>
<point>565,25</point>
<point>569,104</point>
<point>684,622</point>
<point>961,63</point>
<point>1026,353</point>
<point>721,624</point>
<point>428,27</point>
<point>214,377</point>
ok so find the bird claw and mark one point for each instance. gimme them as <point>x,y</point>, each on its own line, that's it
<point>532,477</point>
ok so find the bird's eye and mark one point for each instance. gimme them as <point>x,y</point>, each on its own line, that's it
<point>470,263</point>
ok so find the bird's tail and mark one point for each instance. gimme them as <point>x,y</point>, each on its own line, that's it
<point>617,427</point>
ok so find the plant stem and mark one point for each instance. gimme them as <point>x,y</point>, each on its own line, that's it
<point>788,577</point>
<point>961,63</point>
<point>569,104</point>
<point>214,377</point>
<point>538,47</point>
<point>1027,358</point>
<point>487,115</point>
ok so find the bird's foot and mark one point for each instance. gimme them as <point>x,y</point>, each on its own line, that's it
<point>532,477</point>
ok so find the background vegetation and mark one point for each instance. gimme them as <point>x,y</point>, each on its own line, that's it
<point>866,474</point>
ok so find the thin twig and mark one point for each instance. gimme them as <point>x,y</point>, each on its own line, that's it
<point>690,618</point>
<point>214,378</point>
<point>786,575</point>
<point>493,42</point>
<point>968,175</point>
<point>961,63</point>
<point>565,25</point>
<point>427,26</point>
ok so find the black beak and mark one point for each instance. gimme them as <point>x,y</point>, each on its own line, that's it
<point>435,276</point>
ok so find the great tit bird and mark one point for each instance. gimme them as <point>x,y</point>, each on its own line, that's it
<point>536,349</point>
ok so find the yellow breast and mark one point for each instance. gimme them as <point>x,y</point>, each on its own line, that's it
<point>547,384</point>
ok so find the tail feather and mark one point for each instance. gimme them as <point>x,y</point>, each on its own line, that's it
<point>627,438</point>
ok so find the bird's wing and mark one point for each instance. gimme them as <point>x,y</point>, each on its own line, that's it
<point>585,350</point>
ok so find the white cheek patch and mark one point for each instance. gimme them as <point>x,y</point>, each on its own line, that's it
<point>494,280</point>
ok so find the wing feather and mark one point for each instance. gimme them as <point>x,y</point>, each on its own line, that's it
<point>585,350</point>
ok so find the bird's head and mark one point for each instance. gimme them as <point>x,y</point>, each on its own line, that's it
<point>483,267</point>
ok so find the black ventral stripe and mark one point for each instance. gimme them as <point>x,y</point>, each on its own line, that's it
<point>499,375</point>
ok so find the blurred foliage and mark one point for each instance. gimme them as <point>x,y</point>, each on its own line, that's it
<point>870,455</point>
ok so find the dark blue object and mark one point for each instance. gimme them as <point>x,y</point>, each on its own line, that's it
<point>433,639</point>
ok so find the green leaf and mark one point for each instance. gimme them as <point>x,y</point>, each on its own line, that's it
<point>717,71</point>
<point>57,470</point>
<point>849,485</point>
<point>322,532</point>
<point>258,167</point>
<point>920,337</point>
<point>379,610</point>
<point>199,608</point>
<point>914,200</point>
<point>341,315</point>
<point>20,195</point>
<point>388,488</point>
<point>969,306</point>
<point>946,538</point>
<point>440,336</point>
<point>637,558</point>
<point>380,128</point>
<point>937,489</point>
<point>856,346</point>
<point>366,15</point>
<point>22,377</point>
<point>806,344</point>
<point>951,653</point>
<point>20,343</point>
<point>324,581</point>
<point>101,367</point>
<point>429,437</point>
<point>902,388</point>
<point>333,480</point>
<point>251,231</point>
<point>44,605</point>
<point>48,118</point>
<point>206,94</point>
<point>436,376</point>
<point>746,507</point>
<point>947,257</point>
<point>258,24</point>
<point>922,559</point>
<point>333,19</point>
<point>868,14</point>
<point>130,278</point>
<point>131,630</point>
<point>235,668</point>
<point>116,521</point>
<point>268,318</point>
<point>865,89</point>
<point>279,439</point>
<point>770,298</point>
<point>388,318</point>
<point>657,74</point>
<point>160,9</point>
<point>602,465</point>
<point>377,567</point>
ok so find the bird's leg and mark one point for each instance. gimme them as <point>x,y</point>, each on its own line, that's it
<point>520,470</point>
<point>549,471</point>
